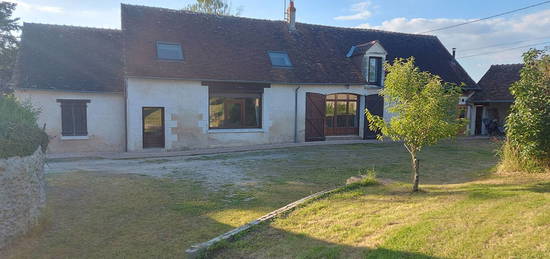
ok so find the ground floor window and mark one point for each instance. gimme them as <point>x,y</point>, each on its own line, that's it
<point>342,117</point>
<point>74,117</point>
<point>229,110</point>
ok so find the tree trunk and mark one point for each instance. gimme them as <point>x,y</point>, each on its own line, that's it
<point>415,176</point>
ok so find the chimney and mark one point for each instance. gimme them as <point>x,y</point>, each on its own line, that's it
<point>291,16</point>
<point>454,52</point>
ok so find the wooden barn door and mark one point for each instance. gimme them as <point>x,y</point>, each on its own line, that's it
<point>315,117</point>
<point>375,105</point>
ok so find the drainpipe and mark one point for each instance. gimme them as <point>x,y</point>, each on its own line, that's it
<point>296,114</point>
<point>126,115</point>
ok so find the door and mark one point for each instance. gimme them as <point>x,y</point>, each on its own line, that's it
<point>479,119</point>
<point>153,127</point>
<point>342,115</point>
<point>315,117</point>
<point>375,105</point>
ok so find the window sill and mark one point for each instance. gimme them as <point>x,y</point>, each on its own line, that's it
<point>74,137</point>
<point>214,131</point>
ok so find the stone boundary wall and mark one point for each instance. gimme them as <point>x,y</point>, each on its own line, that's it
<point>22,194</point>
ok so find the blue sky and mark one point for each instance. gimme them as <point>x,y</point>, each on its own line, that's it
<point>395,15</point>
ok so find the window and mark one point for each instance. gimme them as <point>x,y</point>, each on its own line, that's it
<point>169,51</point>
<point>342,117</point>
<point>73,117</point>
<point>374,72</point>
<point>279,59</point>
<point>230,110</point>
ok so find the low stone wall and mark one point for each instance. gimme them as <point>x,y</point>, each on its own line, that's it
<point>22,194</point>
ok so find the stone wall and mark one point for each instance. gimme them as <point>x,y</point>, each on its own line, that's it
<point>22,194</point>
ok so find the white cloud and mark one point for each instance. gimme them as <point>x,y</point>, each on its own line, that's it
<point>36,7</point>
<point>534,26</point>
<point>361,12</point>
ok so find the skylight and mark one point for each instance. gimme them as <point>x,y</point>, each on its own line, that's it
<point>169,51</point>
<point>279,59</point>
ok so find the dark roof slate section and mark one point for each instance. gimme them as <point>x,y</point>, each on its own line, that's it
<point>60,57</point>
<point>229,48</point>
<point>495,84</point>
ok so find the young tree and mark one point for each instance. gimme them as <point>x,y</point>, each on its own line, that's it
<point>424,106</point>
<point>528,124</point>
<point>8,42</point>
<point>218,7</point>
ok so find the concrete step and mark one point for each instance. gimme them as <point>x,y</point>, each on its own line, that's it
<point>344,137</point>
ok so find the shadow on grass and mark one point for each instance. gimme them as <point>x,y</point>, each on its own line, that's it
<point>250,245</point>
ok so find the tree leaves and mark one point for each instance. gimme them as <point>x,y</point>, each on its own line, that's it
<point>528,124</point>
<point>425,106</point>
<point>217,7</point>
<point>9,43</point>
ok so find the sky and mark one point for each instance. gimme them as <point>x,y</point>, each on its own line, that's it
<point>531,26</point>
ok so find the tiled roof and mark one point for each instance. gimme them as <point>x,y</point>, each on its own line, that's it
<point>235,49</point>
<point>215,48</point>
<point>496,82</point>
<point>70,58</point>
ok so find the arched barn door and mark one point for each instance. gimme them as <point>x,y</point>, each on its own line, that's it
<point>315,117</point>
<point>375,104</point>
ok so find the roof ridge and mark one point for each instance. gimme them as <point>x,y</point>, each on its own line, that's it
<point>275,21</point>
<point>71,27</point>
<point>512,64</point>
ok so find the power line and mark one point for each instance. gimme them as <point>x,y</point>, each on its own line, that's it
<point>486,18</point>
<point>503,50</point>
<point>504,44</point>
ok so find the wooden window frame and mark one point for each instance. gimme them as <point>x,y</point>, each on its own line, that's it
<point>378,74</point>
<point>243,109</point>
<point>72,104</point>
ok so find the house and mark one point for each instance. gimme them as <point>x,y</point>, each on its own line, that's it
<point>176,80</point>
<point>493,101</point>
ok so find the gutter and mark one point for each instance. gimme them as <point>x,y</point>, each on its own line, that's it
<point>125,115</point>
<point>296,114</point>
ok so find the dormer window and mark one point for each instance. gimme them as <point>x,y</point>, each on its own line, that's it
<point>279,59</point>
<point>374,72</point>
<point>169,51</point>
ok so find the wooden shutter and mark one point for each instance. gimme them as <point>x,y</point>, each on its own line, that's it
<point>375,105</point>
<point>315,117</point>
<point>379,71</point>
<point>67,119</point>
<point>74,121</point>
<point>80,119</point>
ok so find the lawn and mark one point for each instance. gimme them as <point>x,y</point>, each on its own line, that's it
<point>504,216</point>
<point>100,214</point>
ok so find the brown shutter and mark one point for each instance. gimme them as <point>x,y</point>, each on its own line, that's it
<point>80,119</point>
<point>375,105</point>
<point>315,117</point>
<point>67,119</point>
<point>74,117</point>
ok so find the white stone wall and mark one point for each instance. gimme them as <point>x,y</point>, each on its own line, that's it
<point>22,194</point>
<point>105,117</point>
<point>186,113</point>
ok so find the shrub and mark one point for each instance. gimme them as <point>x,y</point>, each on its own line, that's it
<point>528,125</point>
<point>19,132</point>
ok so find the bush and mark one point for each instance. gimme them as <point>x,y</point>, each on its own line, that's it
<point>528,125</point>
<point>19,132</point>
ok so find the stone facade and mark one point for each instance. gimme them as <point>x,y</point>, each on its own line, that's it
<point>22,194</point>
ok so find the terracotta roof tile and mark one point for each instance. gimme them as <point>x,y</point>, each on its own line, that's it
<point>70,58</point>
<point>496,82</point>
<point>235,49</point>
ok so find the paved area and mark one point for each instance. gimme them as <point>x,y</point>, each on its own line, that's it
<point>207,151</point>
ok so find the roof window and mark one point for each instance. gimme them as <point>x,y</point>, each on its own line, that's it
<point>169,51</point>
<point>279,59</point>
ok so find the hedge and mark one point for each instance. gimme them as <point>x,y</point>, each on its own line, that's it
<point>19,131</point>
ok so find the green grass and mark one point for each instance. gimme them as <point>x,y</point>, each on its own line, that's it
<point>498,217</point>
<point>102,215</point>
